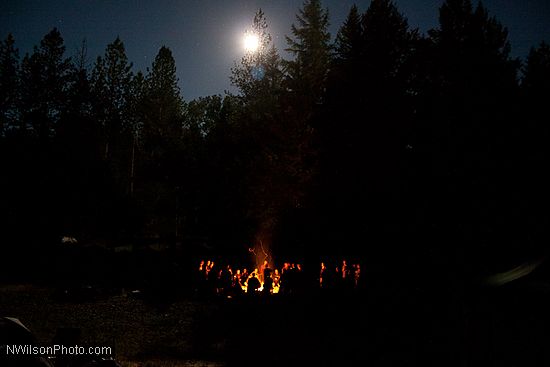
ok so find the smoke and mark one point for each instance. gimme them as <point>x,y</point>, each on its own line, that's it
<point>261,248</point>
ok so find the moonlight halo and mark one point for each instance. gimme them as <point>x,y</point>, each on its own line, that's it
<point>251,42</point>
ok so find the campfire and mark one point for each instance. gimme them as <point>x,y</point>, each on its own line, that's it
<point>268,280</point>
<point>274,290</point>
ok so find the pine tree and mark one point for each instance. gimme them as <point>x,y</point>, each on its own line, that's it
<point>473,52</point>
<point>366,115</point>
<point>259,78</point>
<point>471,131</point>
<point>163,122</point>
<point>44,80</point>
<point>136,114</point>
<point>76,121</point>
<point>536,73</point>
<point>310,46</point>
<point>160,142</point>
<point>535,89</point>
<point>306,81</point>
<point>9,84</point>
<point>258,75</point>
<point>136,110</point>
<point>203,114</point>
<point>373,53</point>
<point>473,78</point>
<point>348,44</point>
<point>111,79</point>
<point>345,79</point>
<point>387,39</point>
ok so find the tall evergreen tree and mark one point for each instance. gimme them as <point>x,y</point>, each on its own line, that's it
<point>310,46</point>
<point>372,53</point>
<point>536,73</point>
<point>348,43</point>
<point>306,73</point>
<point>345,79</point>
<point>111,79</point>
<point>9,84</point>
<point>44,81</point>
<point>535,132</point>
<point>203,114</point>
<point>136,113</point>
<point>260,128</point>
<point>366,115</point>
<point>473,53</point>
<point>387,40</point>
<point>163,123</point>
<point>160,158</point>
<point>76,121</point>
<point>471,113</point>
<point>258,75</point>
<point>475,83</point>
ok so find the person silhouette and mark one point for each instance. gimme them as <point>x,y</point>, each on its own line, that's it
<point>253,284</point>
<point>268,281</point>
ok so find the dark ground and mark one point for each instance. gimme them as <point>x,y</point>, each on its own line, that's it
<point>504,326</point>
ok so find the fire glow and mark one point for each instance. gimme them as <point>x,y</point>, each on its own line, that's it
<point>268,280</point>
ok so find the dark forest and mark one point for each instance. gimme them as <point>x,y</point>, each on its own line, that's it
<point>422,156</point>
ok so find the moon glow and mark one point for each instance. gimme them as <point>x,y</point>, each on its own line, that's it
<point>251,42</point>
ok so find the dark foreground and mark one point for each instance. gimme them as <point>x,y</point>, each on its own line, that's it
<point>506,326</point>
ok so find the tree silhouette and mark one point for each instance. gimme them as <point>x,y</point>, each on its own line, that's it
<point>348,43</point>
<point>76,122</point>
<point>534,134</point>
<point>384,136</point>
<point>536,79</point>
<point>474,75</point>
<point>9,84</point>
<point>163,118</point>
<point>161,138</point>
<point>473,157</point>
<point>111,77</point>
<point>309,44</point>
<point>258,74</point>
<point>44,81</point>
<point>262,131</point>
<point>367,115</point>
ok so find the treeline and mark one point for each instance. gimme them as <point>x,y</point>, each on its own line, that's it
<point>382,140</point>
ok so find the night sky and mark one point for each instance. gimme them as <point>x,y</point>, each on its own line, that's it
<point>206,35</point>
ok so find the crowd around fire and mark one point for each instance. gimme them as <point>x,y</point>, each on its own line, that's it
<point>290,279</point>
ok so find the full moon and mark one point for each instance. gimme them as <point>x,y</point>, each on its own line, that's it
<point>251,42</point>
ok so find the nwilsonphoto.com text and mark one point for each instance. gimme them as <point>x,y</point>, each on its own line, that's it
<point>54,350</point>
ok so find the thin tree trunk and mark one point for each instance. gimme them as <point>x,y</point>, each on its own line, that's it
<point>132,166</point>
